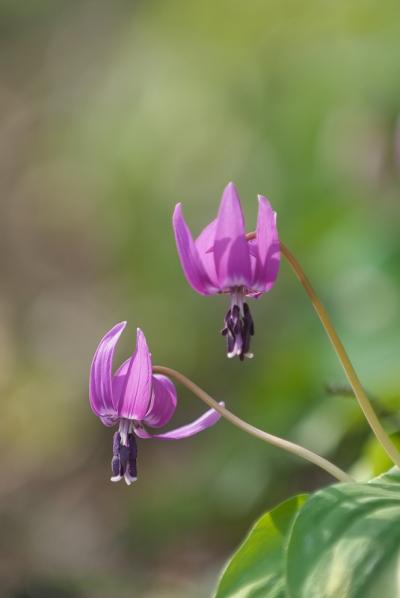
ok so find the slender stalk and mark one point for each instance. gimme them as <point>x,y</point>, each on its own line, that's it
<point>344,359</point>
<point>281,443</point>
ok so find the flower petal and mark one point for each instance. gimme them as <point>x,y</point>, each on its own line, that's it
<point>100,381</point>
<point>231,252</point>
<point>109,420</point>
<point>268,248</point>
<point>118,382</point>
<point>163,403</point>
<point>136,393</point>
<point>208,419</point>
<point>205,247</point>
<point>188,255</point>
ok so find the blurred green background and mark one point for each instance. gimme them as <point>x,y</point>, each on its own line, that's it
<point>110,113</point>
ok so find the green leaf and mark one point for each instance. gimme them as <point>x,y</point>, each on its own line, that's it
<point>257,569</point>
<point>345,542</point>
<point>389,477</point>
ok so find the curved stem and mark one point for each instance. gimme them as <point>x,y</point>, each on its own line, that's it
<point>286,445</point>
<point>344,359</point>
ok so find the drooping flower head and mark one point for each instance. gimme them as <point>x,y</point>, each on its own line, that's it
<point>134,398</point>
<point>222,260</point>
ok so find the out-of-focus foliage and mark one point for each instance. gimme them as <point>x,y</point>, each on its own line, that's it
<point>110,113</point>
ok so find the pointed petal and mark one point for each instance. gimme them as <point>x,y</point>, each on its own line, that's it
<point>231,252</point>
<point>268,248</point>
<point>135,396</point>
<point>163,403</point>
<point>205,248</point>
<point>100,383</point>
<point>208,419</point>
<point>188,255</point>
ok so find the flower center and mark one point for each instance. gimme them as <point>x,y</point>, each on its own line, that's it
<point>239,326</point>
<point>123,464</point>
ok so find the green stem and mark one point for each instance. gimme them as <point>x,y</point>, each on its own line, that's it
<point>281,443</point>
<point>344,359</point>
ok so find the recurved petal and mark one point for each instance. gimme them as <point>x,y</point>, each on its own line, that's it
<point>231,252</point>
<point>100,381</point>
<point>163,402</point>
<point>208,419</point>
<point>136,392</point>
<point>267,247</point>
<point>188,255</point>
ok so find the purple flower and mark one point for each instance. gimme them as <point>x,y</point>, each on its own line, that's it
<point>222,260</point>
<point>134,397</point>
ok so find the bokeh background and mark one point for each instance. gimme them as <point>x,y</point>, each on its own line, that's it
<point>110,113</point>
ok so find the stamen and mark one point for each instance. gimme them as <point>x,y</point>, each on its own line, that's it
<point>248,331</point>
<point>123,464</point>
<point>237,297</point>
<point>129,479</point>
<point>124,429</point>
<point>131,471</point>
<point>116,461</point>
<point>239,327</point>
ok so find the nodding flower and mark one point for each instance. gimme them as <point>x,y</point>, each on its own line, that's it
<point>134,398</point>
<point>222,260</point>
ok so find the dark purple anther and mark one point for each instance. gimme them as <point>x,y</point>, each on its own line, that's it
<point>224,259</point>
<point>123,464</point>
<point>134,398</point>
<point>239,327</point>
<point>248,331</point>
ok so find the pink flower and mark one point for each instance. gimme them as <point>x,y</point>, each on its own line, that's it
<point>222,260</point>
<point>134,397</point>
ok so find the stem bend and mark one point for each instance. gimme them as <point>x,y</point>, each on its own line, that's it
<point>344,359</point>
<point>281,443</point>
